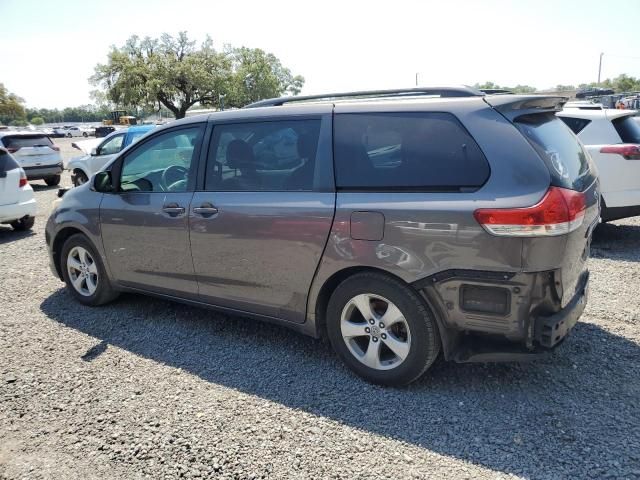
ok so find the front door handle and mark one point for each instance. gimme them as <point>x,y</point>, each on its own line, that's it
<point>205,210</point>
<point>173,209</point>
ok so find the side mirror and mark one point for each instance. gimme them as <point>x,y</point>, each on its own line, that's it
<point>94,152</point>
<point>102,182</point>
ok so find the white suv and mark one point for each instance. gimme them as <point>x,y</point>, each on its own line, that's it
<point>17,204</point>
<point>612,138</point>
<point>35,153</point>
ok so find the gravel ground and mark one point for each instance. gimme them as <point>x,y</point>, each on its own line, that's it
<point>143,388</point>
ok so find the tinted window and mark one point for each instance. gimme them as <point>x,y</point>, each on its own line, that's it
<point>161,164</point>
<point>19,141</point>
<point>263,156</point>
<point>112,146</point>
<point>406,150</point>
<point>575,124</point>
<point>7,162</point>
<point>569,164</point>
<point>628,129</point>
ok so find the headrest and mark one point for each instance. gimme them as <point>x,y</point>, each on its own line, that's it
<point>239,155</point>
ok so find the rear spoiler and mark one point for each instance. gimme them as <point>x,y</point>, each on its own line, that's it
<point>513,106</point>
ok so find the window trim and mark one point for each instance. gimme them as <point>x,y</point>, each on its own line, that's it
<point>324,149</point>
<point>410,189</point>
<point>116,170</point>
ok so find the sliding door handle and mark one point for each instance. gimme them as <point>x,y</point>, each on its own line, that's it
<point>205,210</point>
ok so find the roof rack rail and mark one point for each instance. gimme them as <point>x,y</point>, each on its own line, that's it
<point>462,91</point>
<point>496,91</point>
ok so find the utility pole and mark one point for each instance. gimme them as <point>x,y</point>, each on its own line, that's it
<point>416,79</point>
<point>600,67</point>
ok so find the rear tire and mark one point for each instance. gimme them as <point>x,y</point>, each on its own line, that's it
<point>24,224</point>
<point>85,134</point>
<point>52,181</point>
<point>400,329</point>
<point>84,273</point>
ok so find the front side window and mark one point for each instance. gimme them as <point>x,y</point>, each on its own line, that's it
<point>263,156</point>
<point>111,146</point>
<point>163,163</point>
<point>418,151</point>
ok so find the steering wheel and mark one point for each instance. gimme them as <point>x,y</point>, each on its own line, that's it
<point>172,175</point>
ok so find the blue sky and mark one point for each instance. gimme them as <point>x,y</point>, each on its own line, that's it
<point>49,49</point>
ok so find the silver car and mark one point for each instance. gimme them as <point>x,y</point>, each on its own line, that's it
<point>401,225</point>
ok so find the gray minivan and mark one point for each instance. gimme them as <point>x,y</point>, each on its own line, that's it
<point>399,224</point>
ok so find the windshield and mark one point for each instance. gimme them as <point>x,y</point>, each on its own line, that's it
<point>569,164</point>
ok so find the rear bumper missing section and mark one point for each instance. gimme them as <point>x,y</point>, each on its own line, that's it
<point>551,330</point>
<point>531,325</point>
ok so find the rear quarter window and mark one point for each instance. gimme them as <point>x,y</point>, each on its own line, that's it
<point>417,151</point>
<point>628,129</point>
<point>575,124</point>
<point>569,164</point>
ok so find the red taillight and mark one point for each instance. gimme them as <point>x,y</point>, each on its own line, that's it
<point>627,150</point>
<point>23,179</point>
<point>13,149</point>
<point>54,147</point>
<point>560,211</point>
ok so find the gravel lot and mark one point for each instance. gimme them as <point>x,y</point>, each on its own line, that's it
<point>148,389</point>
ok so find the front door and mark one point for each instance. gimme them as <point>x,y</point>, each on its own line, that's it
<point>145,224</point>
<point>259,227</point>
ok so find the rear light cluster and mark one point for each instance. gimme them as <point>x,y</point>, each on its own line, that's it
<point>13,149</point>
<point>629,151</point>
<point>559,212</point>
<point>23,179</point>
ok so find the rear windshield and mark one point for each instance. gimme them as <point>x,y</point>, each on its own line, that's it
<point>569,164</point>
<point>628,129</point>
<point>19,141</point>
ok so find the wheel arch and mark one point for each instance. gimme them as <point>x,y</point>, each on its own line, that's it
<point>58,242</point>
<point>329,286</point>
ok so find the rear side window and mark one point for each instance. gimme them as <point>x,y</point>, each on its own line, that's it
<point>575,124</point>
<point>628,129</point>
<point>19,141</point>
<point>263,156</point>
<point>6,163</point>
<point>418,151</point>
<point>569,164</point>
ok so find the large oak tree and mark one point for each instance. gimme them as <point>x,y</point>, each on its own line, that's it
<point>173,72</point>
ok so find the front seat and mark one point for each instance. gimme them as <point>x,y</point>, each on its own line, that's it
<point>240,157</point>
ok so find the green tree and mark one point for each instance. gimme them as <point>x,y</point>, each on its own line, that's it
<point>516,89</point>
<point>11,106</point>
<point>37,121</point>
<point>174,73</point>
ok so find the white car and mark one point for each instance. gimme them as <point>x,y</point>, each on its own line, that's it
<point>612,138</point>
<point>102,151</point>
<point>35,153</point>
<point>76,132</point>
<point>17,203</point>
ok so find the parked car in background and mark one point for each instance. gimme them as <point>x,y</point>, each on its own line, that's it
<point>398,226</point>
<point>60,131</point>
<point>104,130</point>
<point>76,132</point>
<point>35,153</point>
<point>82,168</point>
<point>17,202</point>
<point>612,138</point>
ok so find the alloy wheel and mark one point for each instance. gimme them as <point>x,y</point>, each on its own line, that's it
<point>83,271</point>
<point>375,331</point>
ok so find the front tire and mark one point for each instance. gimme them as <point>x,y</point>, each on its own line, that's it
<point>24,224</point>
<point>79,178</point>
<point>84,272</point>
<point>382,329</point>
<point>52,181</point>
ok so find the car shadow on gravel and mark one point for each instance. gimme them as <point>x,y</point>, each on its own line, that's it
<point>8,234</point>
<point>616,241</point>
<point>538,420</point>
